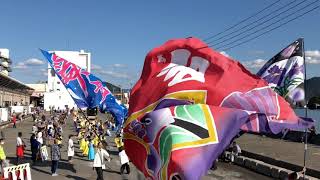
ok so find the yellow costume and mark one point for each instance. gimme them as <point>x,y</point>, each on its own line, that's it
<point>118,142</point>
<point>82,144</point>
<point>80,135</point>
<point>86,148</point>
<point>82,124</point>
<point>96,141</point>
<point>59,140</point>
<point>2,154</point>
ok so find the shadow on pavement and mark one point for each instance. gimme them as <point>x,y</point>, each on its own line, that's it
<point>40,170</point>
<point>83,159</point>
<point>75,177</point>
<point>115,153</point>
<point>62,165</point>
<point>13,160</point>
<point>111,171</point>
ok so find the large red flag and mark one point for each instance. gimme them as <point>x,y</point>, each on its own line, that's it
<point>182,69</point>
<point>189,103</point>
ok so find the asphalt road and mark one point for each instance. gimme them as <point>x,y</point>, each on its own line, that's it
<point>288,151</point>
<point>80,168</point>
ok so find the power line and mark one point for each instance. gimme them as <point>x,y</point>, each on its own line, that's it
<point>297,17</point>
<point>235,25</point>
<point>267,26</point>
<point>270,24</point>
<point>243,28</point>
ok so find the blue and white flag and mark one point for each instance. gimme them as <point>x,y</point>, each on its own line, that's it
<point>285,71</point>
<point>87,90</point>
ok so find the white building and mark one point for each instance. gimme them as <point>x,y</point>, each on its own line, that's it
<point>57,96</point>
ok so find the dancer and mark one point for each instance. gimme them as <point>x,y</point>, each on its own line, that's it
<point>124,161</point>
<point>14,119</point>
<point>70,149</point>
<point>91,151</point>
<point>20,148</point>
<point>55,157</point>
<point>34,148</point>
<point>98,162</point>
<point>2,156</point>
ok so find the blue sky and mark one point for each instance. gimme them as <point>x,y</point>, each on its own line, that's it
<point>120,33</point>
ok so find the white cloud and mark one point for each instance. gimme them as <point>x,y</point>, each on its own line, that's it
<point>115,74</point>
<point>33,62</point>
<point>313,54</point>
<point>95,67</point>
<point>110,73</point>
<point>44,72</point>
<point>119,65</point>
<point>313,57</point>
<point>258,63</point>
<point>225,54</point>
<point>28,63</point>
<point>312,61</point>
<point>20,65</point>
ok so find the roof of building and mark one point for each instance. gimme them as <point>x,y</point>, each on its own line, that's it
<point>113,88</point>
<point>11,83</point>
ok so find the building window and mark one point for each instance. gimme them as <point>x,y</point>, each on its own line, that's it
<point>58,82</point>
<point>7,103</point>
<point>52,72</point>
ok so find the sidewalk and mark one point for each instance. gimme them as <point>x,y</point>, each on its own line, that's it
<point>281,153</point>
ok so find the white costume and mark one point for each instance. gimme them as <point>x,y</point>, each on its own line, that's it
<point>70,148</point>
<point>99,157</point>
<point>39,138</point>
<point>123,157</point>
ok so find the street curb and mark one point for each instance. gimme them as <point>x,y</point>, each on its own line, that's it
<point>280,163</point>
<point>266,169</point>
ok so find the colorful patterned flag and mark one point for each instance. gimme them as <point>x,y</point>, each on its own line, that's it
<point>189,103</point>
<point>87,90</point>
<point>181,141</point>
<point>285,71</point>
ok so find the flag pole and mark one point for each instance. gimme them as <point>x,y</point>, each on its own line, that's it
<point>306,111</point>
